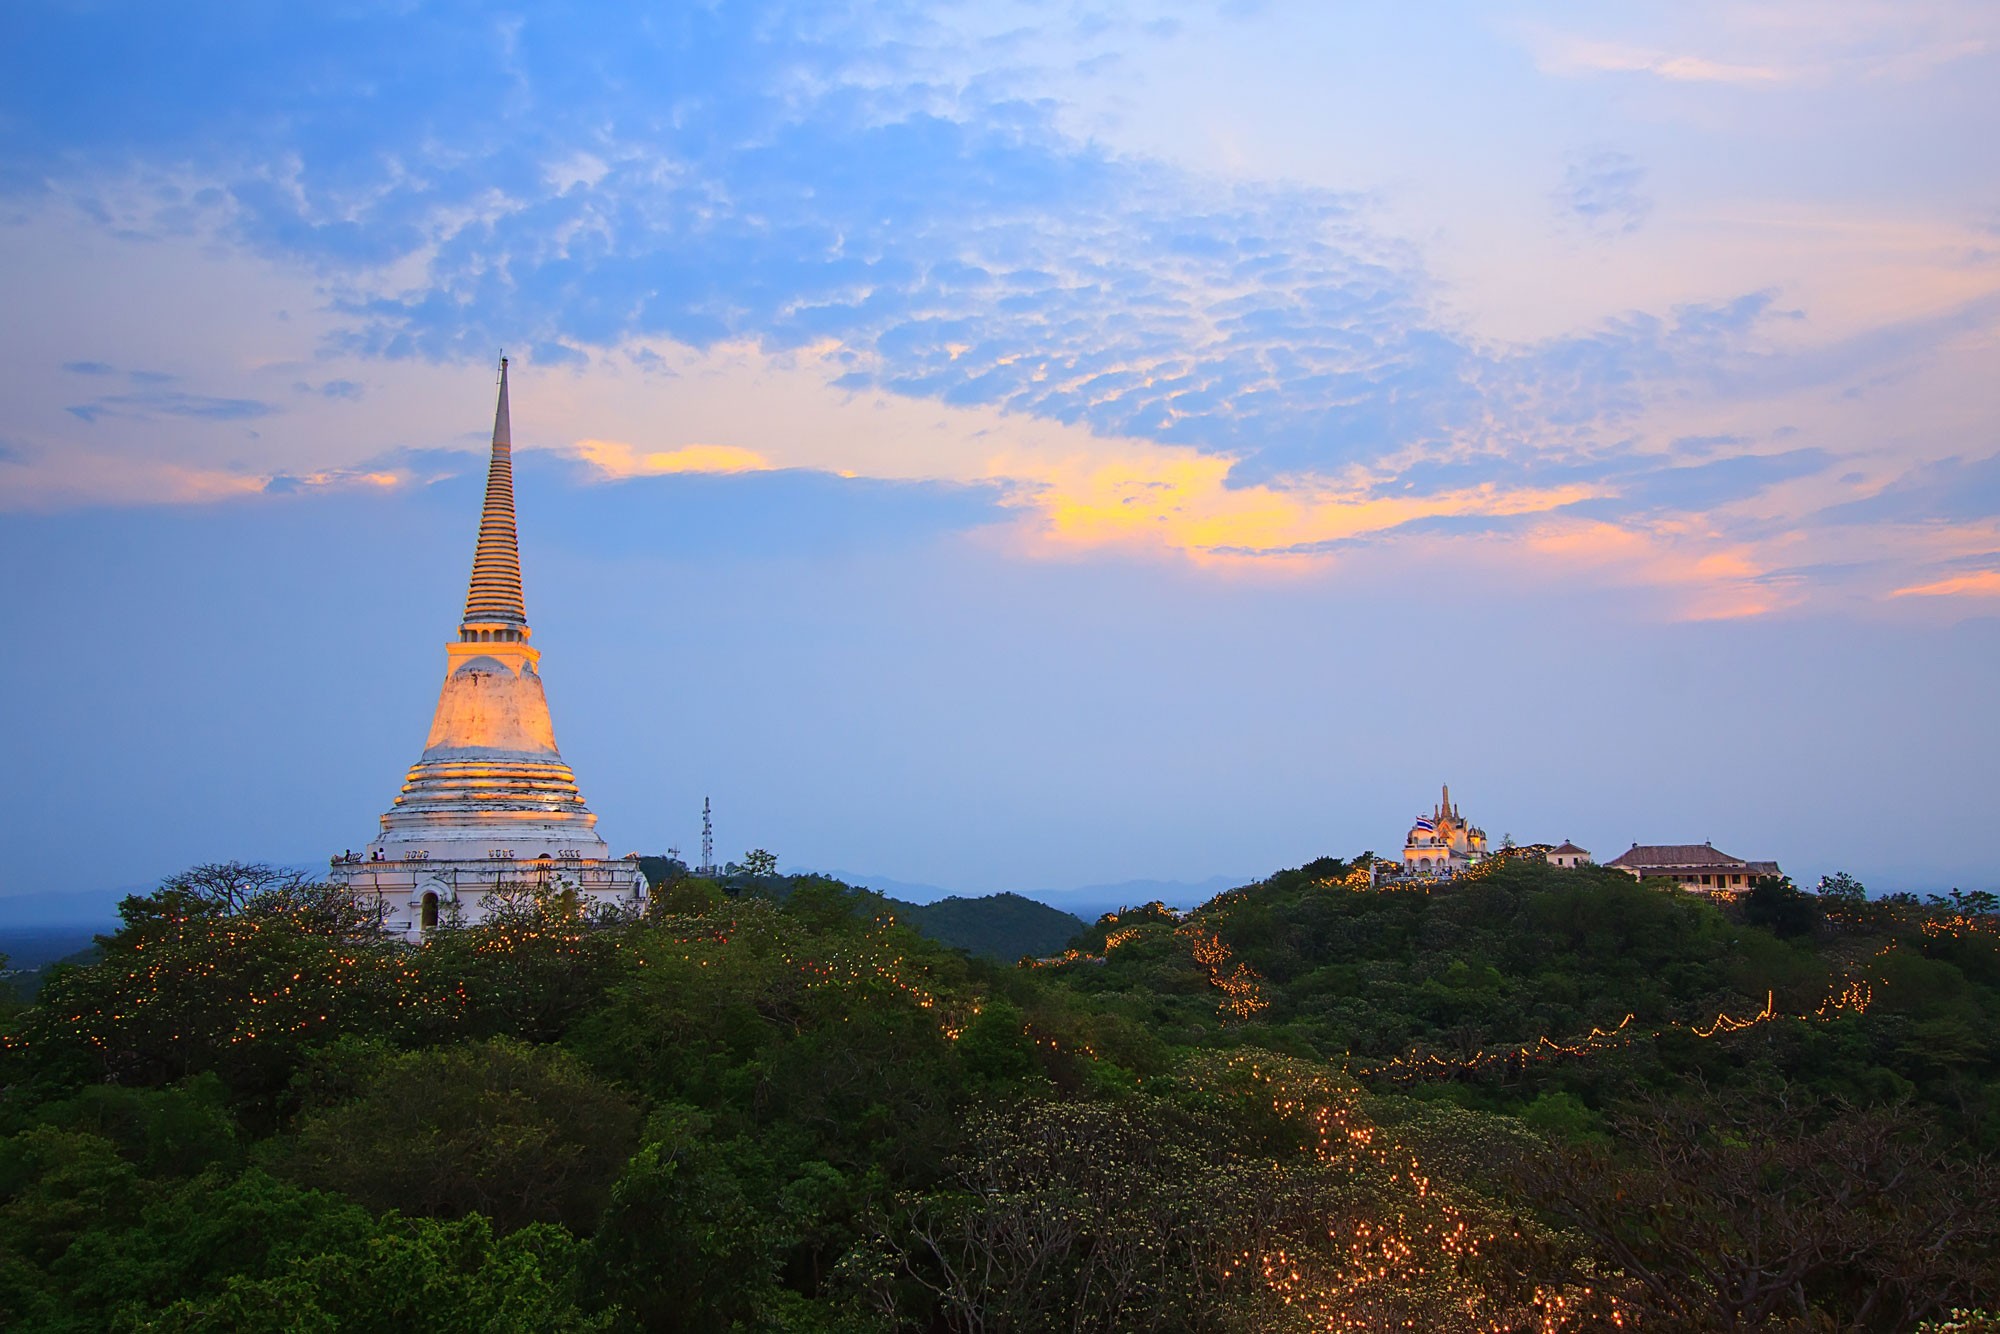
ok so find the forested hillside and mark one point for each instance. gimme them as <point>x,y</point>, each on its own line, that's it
<point>1006,927</point>
<point>1532,1100</point>
<point>996,926</point>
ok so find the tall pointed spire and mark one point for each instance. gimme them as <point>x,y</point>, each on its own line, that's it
<point>495,593</point>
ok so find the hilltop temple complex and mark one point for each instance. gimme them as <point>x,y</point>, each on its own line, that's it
<point>490,812</point>
<point>1443,842</point>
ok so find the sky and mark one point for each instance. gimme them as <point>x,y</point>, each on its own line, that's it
<point>1013,445</point>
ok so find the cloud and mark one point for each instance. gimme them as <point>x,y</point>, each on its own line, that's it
<point>802,184</point>
<point>1980,583</point>
<point>1252,370</point>
<point>75,477</point>
<point>289,484</point>
<point>1564,54</point>
<point>1601,188</point>
<point>1618,484</point>
<point>1696,573</point>
<point>171,403</point>
<point>1773,45</point>
<point>1953,490</point>
<point>89,368</point>
<point>1701,487</point>
<point>425,467</point>
<point>617,460</point>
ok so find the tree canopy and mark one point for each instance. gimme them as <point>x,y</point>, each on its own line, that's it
<point>1528,1098</point>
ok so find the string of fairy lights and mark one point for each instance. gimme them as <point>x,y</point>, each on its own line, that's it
<point>275,1008</point>
<point>1362,1276</point>
<point>1407,1263</point>
<point>1853,996</point>
<point>292,1003</point>
<point>1241,986</point>
<point>244,1010</point>
<point>1243,996</point>
<point>1377,1255</point>
<point>1959,926</point>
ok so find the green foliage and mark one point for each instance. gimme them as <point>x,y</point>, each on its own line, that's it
<point>684,1243</point>
<point>441,1277</point>
<point>56,1185</point>
<point>169,1132</point>
<point>255,1254</point>
<point>994,1049</point>
<point>775,1104</point>
<point>689,896</point>
<point>538,963</point>
<point>188,988</point>
<point>1563,1116</point>
<point>1732,1209</point>
<point>1085,1216</point>
<point>1774,903</point>
<point>661,871</point>
<point>1841,890</point>
<point>517,1133</point>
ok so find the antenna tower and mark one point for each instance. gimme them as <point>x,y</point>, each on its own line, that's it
<point>707,840</point>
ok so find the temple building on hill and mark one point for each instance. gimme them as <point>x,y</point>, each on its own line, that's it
<point>489,812</point>
<point>1443,842</point>
<point>1698,867</point>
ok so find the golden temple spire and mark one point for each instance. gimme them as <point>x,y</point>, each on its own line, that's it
<point>495,593</point>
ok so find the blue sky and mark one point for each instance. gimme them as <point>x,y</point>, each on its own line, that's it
<point>1011,446</point>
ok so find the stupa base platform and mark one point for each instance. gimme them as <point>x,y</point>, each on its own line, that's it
<point>418,895</point>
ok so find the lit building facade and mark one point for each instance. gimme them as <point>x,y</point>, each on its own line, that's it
<point>1698,867</point>
<point>490,811</point>
<point>1443,842</point>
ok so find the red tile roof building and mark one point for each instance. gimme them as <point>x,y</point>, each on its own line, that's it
<point>1568,856</point>
<point>1699,867</point>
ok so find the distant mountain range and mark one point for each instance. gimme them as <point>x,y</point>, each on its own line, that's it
<point>1088,902</point>
<point>38,927</point>
<point>98,909</point>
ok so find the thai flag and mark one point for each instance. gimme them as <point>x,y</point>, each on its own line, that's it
<point>1425,823</point>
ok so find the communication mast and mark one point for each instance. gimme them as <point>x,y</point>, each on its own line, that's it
<point>707,840</point>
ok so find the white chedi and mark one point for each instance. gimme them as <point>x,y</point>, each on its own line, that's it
<point>490,811</point>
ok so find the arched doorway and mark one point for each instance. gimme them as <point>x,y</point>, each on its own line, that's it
<point>429,919</point>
